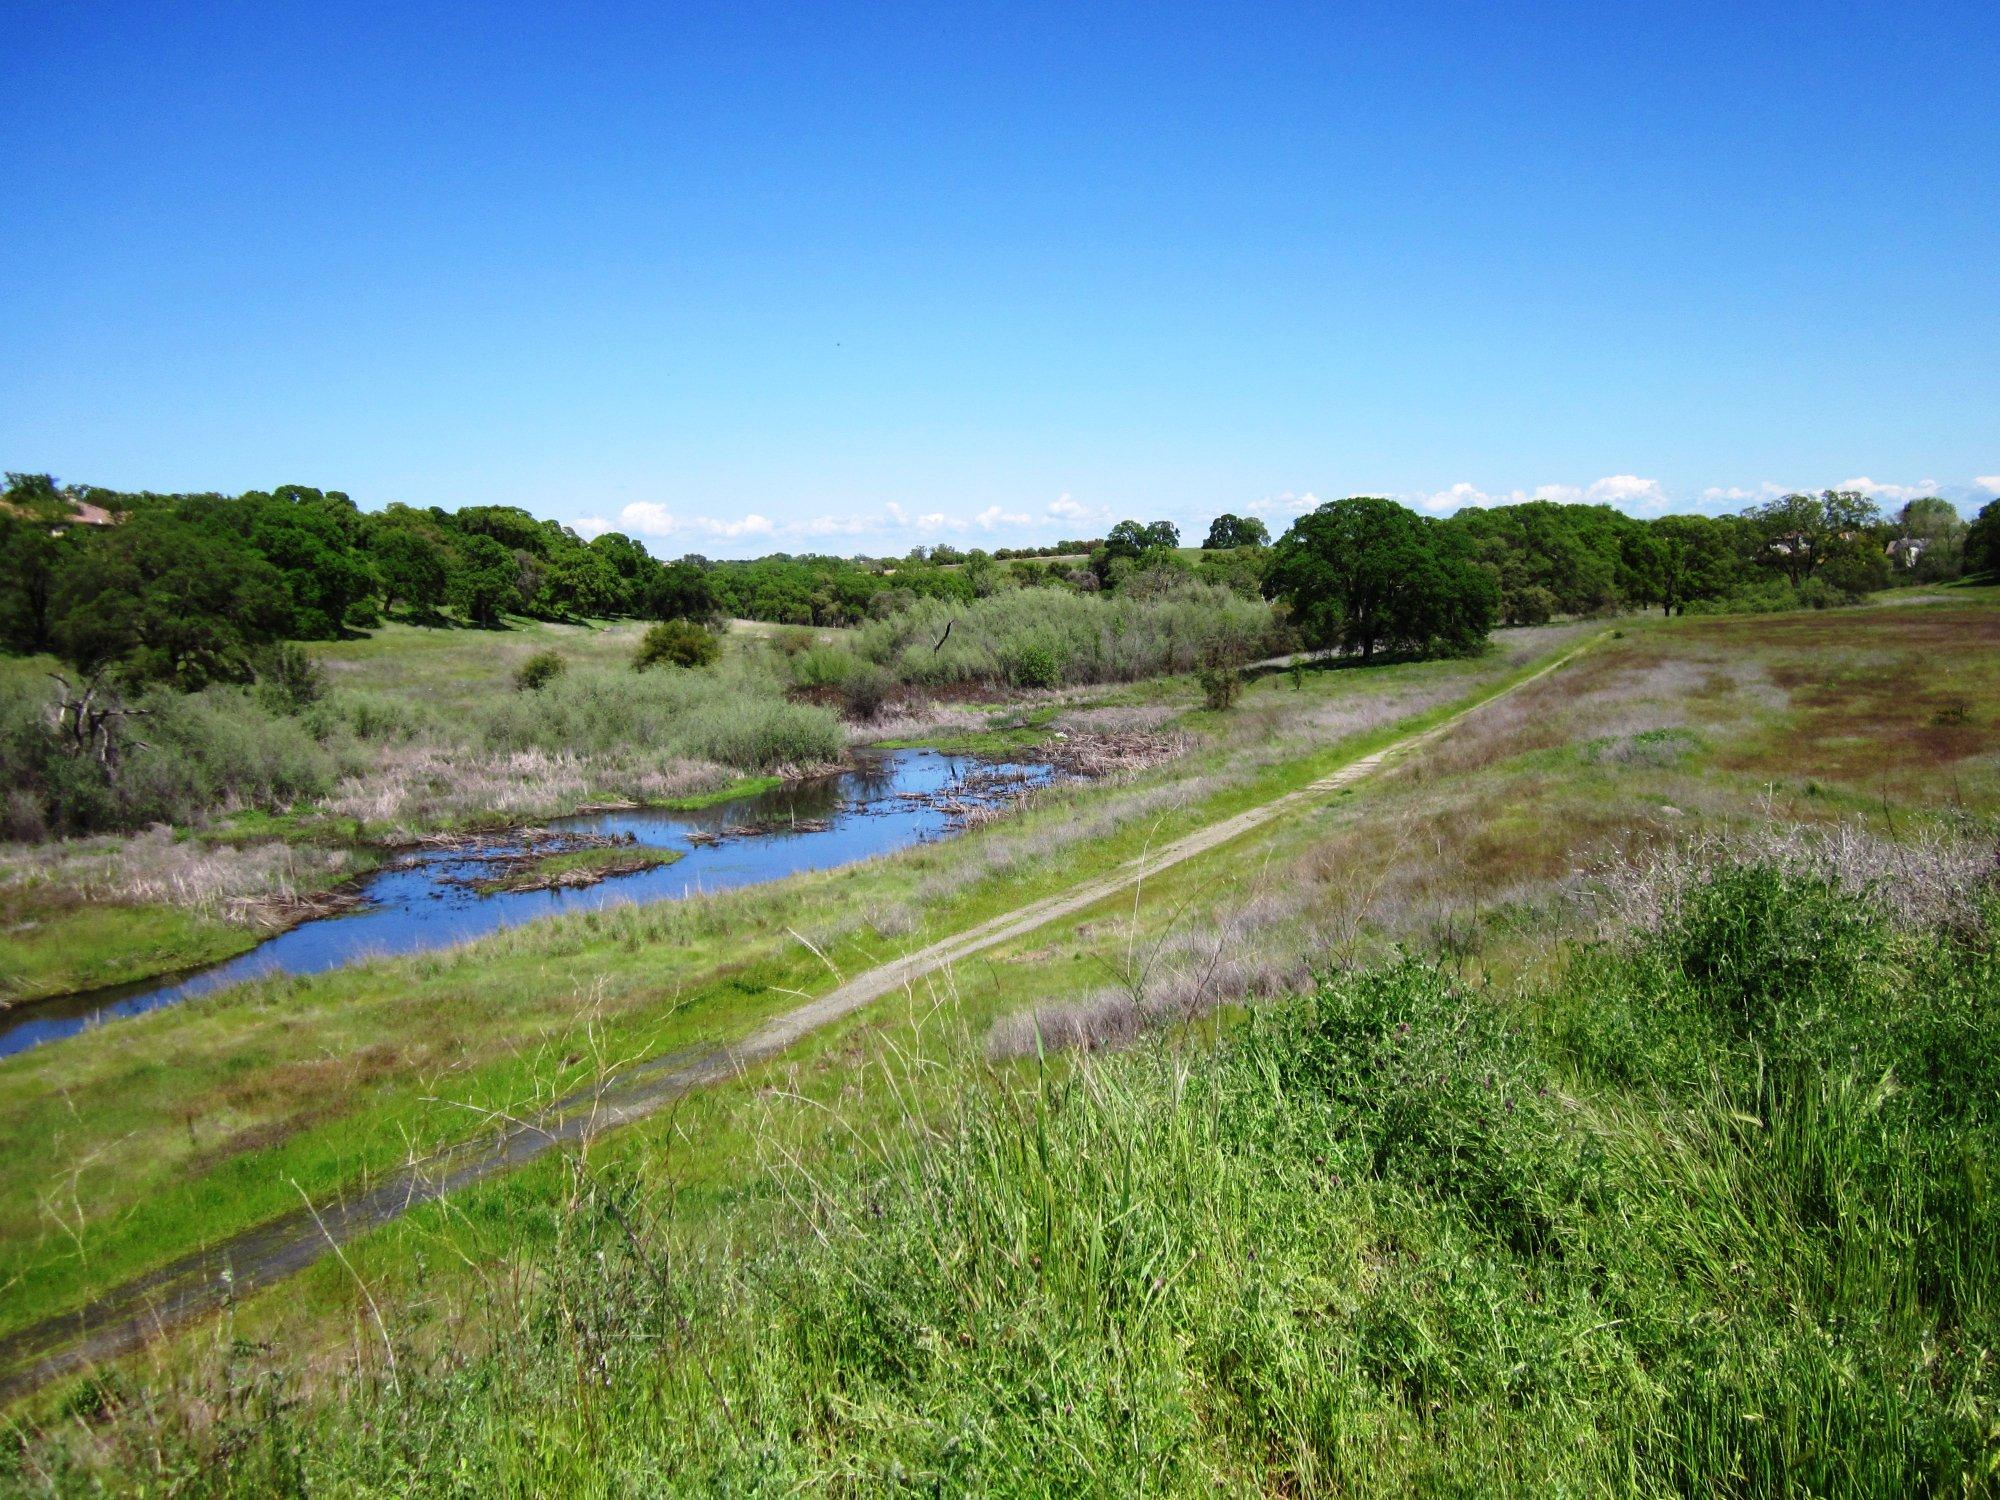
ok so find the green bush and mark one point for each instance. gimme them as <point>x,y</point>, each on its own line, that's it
<point>288,679</point>
<point>824,667</point>
<point>1221,686</point>
<point>1032,664</point>
<point>678,643</point>
<point>539,670</point>
<point>181,758</point>
<point>374,717</point>
<point>866,691</point>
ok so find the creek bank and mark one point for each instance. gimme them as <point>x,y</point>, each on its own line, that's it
<point>446,889</point>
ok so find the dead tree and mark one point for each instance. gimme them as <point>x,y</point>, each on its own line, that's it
<point>87,722</point>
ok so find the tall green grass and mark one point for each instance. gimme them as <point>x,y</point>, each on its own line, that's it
<point>1708,1213</point>
<point>730,717</point>
<point>1046,637</point>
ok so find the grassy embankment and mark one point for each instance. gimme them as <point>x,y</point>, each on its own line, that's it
<point>1470,850</point>
<point>1698,1214</point>
<point>318,1080</point>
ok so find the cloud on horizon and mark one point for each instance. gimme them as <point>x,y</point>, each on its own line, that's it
<point>895,527</point>
<point>1639,497</point>
<point>648,518</point>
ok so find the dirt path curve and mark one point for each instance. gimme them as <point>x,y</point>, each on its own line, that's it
<point>128,1316</point>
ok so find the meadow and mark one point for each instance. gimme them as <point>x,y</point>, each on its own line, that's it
<point>927,1248</point>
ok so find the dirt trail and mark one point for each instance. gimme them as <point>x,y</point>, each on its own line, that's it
<point>127,1316</point>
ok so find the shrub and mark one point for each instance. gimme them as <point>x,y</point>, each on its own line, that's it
<point>288,679</point>
<point>823,666</point>
<point>679,643</point>
<point>1033,665</point>
<point>538,671</point>
<point>1221,686</point>
<point>220,750</point>
<point>183,757</point>
<point>1087,638</point>
<point>373,717</point>
<point>866,691</point>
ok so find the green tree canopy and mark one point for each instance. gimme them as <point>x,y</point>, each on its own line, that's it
<point>1798,535</point>
<point>1227,532</point>
<point>1982,540</point>
<point>161,599</point>
<point>411,562</point>
<point>31,559</point>
<point>1677,560</point>
<point>482,580</point>
<point>1366,574</point>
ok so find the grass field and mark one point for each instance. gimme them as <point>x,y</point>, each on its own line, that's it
<point>938,1216</point>
<point>319,1080</point>
<point>455,667</point>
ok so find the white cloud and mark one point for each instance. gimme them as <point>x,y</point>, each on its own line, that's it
<point>1287,504</point>
<point>590,526</point>
<point>1063,508</point>
<point>1738,495</point>
<point>834,526</point>
<point>1629,492</point>
<point>1989,482</point>
<point>650,518</point>
<point>1461,495</point>
<point>1626,491</point>
<point>1895,494</point>
<point>993,516</point>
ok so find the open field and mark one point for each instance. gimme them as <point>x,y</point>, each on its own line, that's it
<point>341,1073</point>
<point>456,667</point>
<point>1488,848</point>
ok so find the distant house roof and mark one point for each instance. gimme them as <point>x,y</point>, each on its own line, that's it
<point>1908,549</point>
<point>79,514</point>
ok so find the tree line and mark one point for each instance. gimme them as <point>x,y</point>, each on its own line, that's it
<point>184,588</point>
<point>1365,574</point>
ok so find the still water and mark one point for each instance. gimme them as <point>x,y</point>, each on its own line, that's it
<point>424,900</point>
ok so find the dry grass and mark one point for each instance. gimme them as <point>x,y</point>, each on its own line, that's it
<point>245,883</point>
<point>1933,878</point>
<point>1581,805</point>
<point>1175,980</point>
<point>919,720</point>
<point>419,785</point>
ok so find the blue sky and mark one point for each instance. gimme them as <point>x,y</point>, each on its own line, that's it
<point>741,277</point>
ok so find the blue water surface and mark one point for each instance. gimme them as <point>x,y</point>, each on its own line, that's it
<point>889,801</point>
